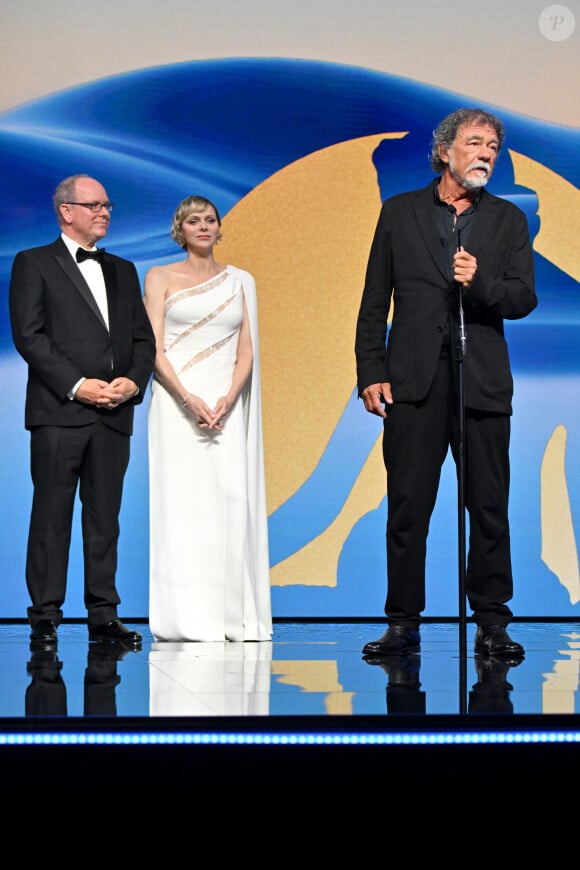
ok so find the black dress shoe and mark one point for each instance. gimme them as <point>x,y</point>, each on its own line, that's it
<point>396,639</point>
<point>115,632</point>
<point>493,640</point>
<point>43,635</point>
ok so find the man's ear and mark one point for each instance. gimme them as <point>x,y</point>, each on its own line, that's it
<point>65,213</point>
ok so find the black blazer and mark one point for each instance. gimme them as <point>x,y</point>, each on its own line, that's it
<point>59,331</point>
<point>407,265</point>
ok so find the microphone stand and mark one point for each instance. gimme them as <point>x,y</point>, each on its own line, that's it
<point>461,343</point>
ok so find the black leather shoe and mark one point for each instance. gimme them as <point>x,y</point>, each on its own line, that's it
<point>115,632</point>
<point>493,640</point>
<point>43,635</point>
<point>396,639</point>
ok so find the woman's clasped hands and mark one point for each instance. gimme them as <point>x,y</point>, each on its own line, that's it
<point>204,416</point>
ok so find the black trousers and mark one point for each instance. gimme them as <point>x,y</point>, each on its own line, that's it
<point>416,440</point>
<point>92,459</point>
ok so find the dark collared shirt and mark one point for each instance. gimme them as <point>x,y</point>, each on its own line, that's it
<point>454,231</point>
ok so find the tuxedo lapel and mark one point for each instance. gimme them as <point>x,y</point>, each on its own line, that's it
<point>72,271</point>
<point>110,276</point>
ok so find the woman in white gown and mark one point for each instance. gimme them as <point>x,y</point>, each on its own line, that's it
<point>209,560</point>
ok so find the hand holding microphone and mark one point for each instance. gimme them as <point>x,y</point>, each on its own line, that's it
<point>464,268</point>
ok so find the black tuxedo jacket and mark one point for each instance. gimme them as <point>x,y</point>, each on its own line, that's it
<point>407,266</point>
<point>59,331</point>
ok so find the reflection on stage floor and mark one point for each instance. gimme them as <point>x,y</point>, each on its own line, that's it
<point>311,671</point>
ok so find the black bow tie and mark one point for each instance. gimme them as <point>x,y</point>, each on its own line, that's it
<point>90,255</point>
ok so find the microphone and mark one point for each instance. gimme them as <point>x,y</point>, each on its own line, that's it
<point>461,336</point>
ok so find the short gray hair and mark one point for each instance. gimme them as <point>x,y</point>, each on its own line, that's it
<point>66,192</point>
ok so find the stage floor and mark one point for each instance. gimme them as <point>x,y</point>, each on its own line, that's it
<point>311,674</point>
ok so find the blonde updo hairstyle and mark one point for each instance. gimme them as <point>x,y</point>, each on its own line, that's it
<point>190,205</point>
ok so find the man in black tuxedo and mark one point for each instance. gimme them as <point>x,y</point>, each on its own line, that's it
<point>430,245</point>
<point>79,322</point>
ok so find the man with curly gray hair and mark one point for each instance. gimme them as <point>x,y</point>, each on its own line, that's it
<point>451,257</point>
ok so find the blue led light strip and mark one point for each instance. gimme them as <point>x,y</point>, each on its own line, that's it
<point>289,739</point>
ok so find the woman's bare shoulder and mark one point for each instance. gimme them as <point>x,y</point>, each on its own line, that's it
<point>163,275</point>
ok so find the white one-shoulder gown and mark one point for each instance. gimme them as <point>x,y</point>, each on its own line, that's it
<point>209,560</point>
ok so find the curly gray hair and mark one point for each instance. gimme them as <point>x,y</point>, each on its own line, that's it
<point>446,132</point>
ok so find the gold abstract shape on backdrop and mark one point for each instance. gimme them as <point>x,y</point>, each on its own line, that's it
<point>559,210</point>
<point>559,550</point>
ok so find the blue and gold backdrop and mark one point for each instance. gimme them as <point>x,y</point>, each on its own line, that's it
<point>298,153</point>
